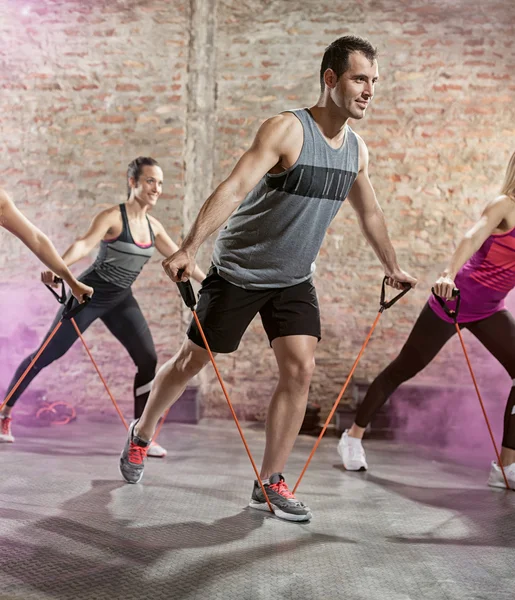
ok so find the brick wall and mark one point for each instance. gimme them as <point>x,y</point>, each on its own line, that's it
<point>85,88</point>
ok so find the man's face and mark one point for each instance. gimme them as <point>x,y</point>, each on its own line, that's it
<point>149,186</point>
<point>355,88</point>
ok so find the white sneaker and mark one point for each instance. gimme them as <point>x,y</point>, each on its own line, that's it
<point>156,451</point>
<point>495,479</point>
<point>6,435</point>
<point>352,453</point>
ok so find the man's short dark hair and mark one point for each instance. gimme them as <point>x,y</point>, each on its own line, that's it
<point>336,56</point>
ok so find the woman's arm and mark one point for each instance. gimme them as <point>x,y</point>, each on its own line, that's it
<point>98,229</point>
<point>15,222</point>
<point>166,246</point>
<point>495,212</point>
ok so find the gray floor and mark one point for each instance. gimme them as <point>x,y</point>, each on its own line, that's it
<point>414,527</point>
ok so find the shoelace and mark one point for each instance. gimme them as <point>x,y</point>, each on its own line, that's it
<point>6,422</point>
<point>137,454</point>
<point>282,489</point>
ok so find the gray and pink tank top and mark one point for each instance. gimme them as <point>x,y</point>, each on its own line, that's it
<point>120,260</point>
<point>485,280</point>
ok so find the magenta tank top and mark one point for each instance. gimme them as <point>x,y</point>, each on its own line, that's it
<point>485,280</point>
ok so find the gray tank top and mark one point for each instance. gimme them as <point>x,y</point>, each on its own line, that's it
<point>274,237</point>
<point>119,261</point>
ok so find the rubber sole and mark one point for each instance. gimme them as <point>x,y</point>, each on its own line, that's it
<point>340,453</point>
<point>126,480</point>
<point>280,514</point>
<point>497,484</point>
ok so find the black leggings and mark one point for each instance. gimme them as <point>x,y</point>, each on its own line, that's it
<point>427,338</point>
<point>122,315</point>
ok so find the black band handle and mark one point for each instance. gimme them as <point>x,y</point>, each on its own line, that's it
<point>453,314</point>
<point>71,311</point>
<point>61,298</point>
<point>388,304</point>
<point>186,291</point>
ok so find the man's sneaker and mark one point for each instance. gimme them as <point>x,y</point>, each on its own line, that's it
<point>156,451</point>
<point>133,456</point>
<point>352,453</point>
<point>6,435</point>
<point>496,479</point>
<point>284,503</point>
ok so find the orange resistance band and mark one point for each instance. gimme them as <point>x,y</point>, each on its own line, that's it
<point>32,363</point>
<point>340,395</point>
<point>41,350</point>
<point>231,409</point>
<point>99,373</point>
<point>482,406</point>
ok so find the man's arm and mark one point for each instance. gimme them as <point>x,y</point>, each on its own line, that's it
<point>373,225</point>
<point>166,246</point>
<point>271,144</point>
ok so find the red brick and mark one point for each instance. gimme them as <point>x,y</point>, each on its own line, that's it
<point>105,33</point>
<point>127,87</point>
<point>447,87</point>
<point>113,142</point>
<point>494,76</point>
<point>92,174</point>
<point>31,182</point>
<point>84,131</point>
<point>477,110</point>
<point>85,86</point>
<point>478,63</point>
<point>112,119</point>
<point>48,87</point>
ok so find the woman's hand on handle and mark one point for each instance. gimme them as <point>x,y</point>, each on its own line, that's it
<point>80,290</point>
<point>444,287</point>
<point>49,278</point>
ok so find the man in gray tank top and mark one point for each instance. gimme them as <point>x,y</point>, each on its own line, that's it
<point>279,199</point>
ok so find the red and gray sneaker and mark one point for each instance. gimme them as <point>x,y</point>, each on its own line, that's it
<point>6,435</point>
<point>284,503</point>
<point>133,456</point>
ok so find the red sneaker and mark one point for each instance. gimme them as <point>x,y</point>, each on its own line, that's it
<point>5,430</point>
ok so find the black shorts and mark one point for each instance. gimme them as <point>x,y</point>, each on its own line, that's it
<point>226,310</point>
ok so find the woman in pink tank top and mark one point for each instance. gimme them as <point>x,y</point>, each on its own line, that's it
<point>483,269</point>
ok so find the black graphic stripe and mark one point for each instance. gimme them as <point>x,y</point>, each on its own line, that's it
<point>310,181</point>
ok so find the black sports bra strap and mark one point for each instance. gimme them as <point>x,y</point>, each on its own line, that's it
<point>125,220</point>
<point>126,234</point>
<point>152,236</point>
